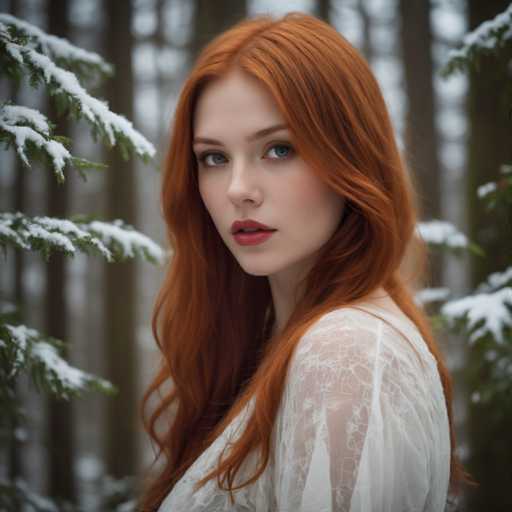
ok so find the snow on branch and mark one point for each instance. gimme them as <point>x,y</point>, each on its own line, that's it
<point>443,233</point>
<point>17,490</point>
<point>25,349</point>
<point>496,280</point>
<point>483,313</point>
<point>113,128</point>
<point>123,240</point>
<point>115,241</point>
<point>24,127</point>
<point>429,295</point>
<point>497,192</point>
<point>488,37</point>
<point>57,47</point>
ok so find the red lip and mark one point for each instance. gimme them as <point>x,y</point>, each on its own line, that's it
<point>249,223</point>
<point>252,238</point>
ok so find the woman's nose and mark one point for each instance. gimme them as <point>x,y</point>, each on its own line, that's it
<point>244,183</point>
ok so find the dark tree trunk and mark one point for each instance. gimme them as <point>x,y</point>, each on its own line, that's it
<point>323,9</point>
<point>421,137</point>
<point>60,433</point>
<point>120,307</point>
<point>212,18</point>
<point>488,148</point>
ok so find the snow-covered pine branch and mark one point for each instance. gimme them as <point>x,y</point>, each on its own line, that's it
<point>440,233</point>
<point>487,38</point>
<point>23,349</point>
<point>69,94</point>
<point>499,192</point>
<point>484,314</point>
<point>80,61</point>
<point>116,241</point>
<point>495,281</point>
<point>429,295</point>
<point>12,493</point>
<point>29,132</point>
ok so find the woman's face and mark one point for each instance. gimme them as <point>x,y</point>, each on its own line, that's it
<point>242,176</point>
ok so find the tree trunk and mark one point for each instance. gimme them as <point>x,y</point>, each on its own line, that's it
<point>323,9</point>
<point>488,147</point>
<point>212,18</point>
<point>120,307</point>
<point>60,433</point>
<point>421,137</point>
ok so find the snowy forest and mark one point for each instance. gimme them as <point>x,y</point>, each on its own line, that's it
<point>87,92</point>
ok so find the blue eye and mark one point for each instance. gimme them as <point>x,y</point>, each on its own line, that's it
<point>280,155</point>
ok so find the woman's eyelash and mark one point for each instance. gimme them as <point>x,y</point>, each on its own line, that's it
<point>202,157</point>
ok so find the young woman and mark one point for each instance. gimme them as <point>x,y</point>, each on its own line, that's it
<point>299,373</point>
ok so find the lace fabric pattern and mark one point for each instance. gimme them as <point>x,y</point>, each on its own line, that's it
<point>362,426</point>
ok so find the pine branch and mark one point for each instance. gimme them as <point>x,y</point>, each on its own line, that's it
<point>23,349</point>
<point>430,295</point>
<point>81,62</point>
<point>70,96</point>
<point>116,241</point>
<point>443,234</point>
<point>498,193</point>
<point>29,132</point>
<point>14,493</point>
<point>495,281</point>
<point>482,314</point>
<point>488,38</point>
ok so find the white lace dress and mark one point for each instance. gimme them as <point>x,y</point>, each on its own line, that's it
<point>362,427</point>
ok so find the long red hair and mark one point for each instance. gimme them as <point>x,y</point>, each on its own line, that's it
<point>211,320</point>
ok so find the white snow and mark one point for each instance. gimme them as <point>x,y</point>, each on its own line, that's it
<point>7,231</point>
<point>34,230</point>
<point>58,46</point>
<point>11,115</point>
<point>93,109</point>
<point>441,232</point>
<point>21,335</point>
<point>496,280</point>
<point>64,234</point>
<point>486,313</point>
<point>34,500</point>
<point>486,189</point>
<point>486,34</point>
<point>427,295</point>
<point>71,378</point>
<point>14,114</point>
<point>128,239</point>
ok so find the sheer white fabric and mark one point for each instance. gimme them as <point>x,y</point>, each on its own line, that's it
<point>362,427</point>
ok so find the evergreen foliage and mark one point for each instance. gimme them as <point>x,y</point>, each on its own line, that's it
<point>27,51</point>
<point>485,315</point>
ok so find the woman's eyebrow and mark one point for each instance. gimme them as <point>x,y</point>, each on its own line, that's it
<point>257,135</point>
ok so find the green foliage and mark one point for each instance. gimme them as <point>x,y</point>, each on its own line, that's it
<point>484,317</point>
<point>27,53</point>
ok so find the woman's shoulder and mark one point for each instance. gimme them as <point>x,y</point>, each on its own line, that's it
<point>367,333</point>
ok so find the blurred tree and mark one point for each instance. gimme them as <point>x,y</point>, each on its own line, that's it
<point>60,420</point>
<point>212,18</point>
<point>367,47</point>
<point>120,280</point>
<point>488,147</point>
<point>421,136</point>
<point>322,9</point>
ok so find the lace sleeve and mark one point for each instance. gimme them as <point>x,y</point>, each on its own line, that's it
<point>351,434</point>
